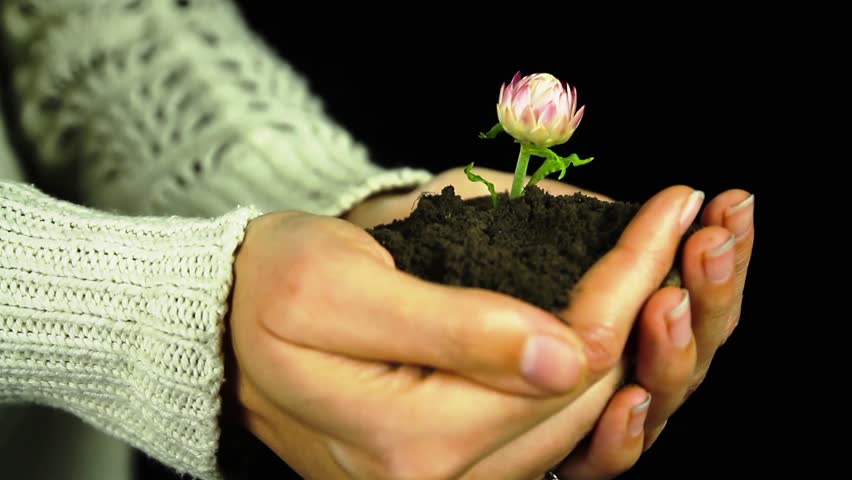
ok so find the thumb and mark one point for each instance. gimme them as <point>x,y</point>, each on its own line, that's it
<point>608,298</point>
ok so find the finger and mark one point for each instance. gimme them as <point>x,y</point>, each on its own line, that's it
<point>734,210</point>
<point>365,416</point>
<point>617,441</point>
<point>708,272</point>
<point>314,388</point>
<point>666,356</point>
<point>608,298</point>
<point>374,312</point>
<point>653,236</point>
<point>549,442</point>
<point>383,420</point>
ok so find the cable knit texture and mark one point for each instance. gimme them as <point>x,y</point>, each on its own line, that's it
<point>118,321</point>
<point>176,107</point>
<point>148,123</point>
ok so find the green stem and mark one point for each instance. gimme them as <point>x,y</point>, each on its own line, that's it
<point>520,172</point>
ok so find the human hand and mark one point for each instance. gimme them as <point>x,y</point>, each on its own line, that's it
<point>329,340</point>
<point>714,267</point>
<point>669,366</point>
<point>331,343</point>
<point>680,330</point>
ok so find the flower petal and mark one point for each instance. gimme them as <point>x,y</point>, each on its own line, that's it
<point>540,136</point>
<point>521,98</point>
<point>563,107</point>
<point>510,123</point>
<point>575,120</point>
<point>517,77</point>
<point>527,119</point>
<point>505,94</point>
<point>549,113</point>
<point>559,125</point>
<point>572,94</point>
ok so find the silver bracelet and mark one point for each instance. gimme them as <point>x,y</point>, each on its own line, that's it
<point>550,476</point>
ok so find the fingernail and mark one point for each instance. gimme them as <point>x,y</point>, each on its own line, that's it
<point>550,363</point>
<point>679,321</point>
<point>718,263</point>
<point>636,423</point>
<point>690,210</point>
<point>740,218</point>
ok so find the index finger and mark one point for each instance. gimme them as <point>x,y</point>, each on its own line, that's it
<point>608,298</point>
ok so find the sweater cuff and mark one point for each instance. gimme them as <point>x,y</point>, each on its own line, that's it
<point>118,320</point>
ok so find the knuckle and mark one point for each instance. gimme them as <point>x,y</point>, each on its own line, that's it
<point>668,379</point>
<point>717,309</point>
<point>741,264</point>
<point>714,315</point>
<point>678,371</point>
<point>657,260</point>
<point>603,346</point>
<point>297,279</point>
<point>697,380</point>
<point>462,337</point>
<point>295,290</point>
<point>460,344</point>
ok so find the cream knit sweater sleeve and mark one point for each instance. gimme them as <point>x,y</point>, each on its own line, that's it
<point>118,320</point>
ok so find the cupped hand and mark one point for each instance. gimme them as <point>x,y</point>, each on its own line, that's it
<point>714,266</point>
<point>679,329</point>
<point>348,368</point>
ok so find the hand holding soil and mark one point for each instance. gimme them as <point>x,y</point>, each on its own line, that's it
<point>666,363</point>
<point>538,240</point>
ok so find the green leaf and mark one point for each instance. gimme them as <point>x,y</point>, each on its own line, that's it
<point>491,134</point>
<point>554,163</point>
<point>476,178</point>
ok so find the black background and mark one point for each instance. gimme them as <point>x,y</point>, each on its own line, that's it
<point>685,99</point>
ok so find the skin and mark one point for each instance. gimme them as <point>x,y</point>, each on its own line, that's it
<point>386,376</point>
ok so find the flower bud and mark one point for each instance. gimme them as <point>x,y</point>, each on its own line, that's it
<point>539,109</point>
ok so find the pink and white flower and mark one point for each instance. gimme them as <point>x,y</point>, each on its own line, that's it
<point>539,109</point>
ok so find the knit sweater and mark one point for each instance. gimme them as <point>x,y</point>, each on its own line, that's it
<point>154,131</point>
